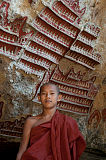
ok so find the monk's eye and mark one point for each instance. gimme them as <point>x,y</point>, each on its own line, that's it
<point>43,93</point>
<point>52,93</point>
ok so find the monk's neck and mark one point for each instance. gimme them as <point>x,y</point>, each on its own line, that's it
<point>48,112</point>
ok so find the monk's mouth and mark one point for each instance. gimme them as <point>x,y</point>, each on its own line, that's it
<point>48,101</point>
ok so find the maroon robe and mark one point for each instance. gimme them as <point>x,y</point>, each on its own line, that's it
<point>57,139</point>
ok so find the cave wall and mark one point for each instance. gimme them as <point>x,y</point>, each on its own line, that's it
<point>19,84</point>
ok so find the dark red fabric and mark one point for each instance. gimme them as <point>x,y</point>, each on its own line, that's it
<point>58,139</point>
<point>67,141</point>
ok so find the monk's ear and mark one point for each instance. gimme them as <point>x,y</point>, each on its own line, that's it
<point>59,97</point>
<point>39,99</point>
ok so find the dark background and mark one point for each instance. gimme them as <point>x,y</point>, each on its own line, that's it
<point>8,151</point>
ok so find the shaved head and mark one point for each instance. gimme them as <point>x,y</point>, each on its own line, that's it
<point>47,84</point>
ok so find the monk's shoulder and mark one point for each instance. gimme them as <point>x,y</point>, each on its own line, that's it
<point>72,126</point>
<point>32,120</point>
<point>69,120</point>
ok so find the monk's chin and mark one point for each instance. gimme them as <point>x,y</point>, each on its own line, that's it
<point>49,107</point>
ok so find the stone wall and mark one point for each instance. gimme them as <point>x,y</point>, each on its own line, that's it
<point>19,87</point>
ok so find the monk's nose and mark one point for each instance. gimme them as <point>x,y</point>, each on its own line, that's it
<point>48,95</point>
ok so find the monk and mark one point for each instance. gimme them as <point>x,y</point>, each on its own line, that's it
<point>52,135</point>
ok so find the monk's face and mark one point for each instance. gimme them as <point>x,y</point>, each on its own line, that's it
<point>49,96</point>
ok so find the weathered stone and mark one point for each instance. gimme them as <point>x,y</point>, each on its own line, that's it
<point>17,88</point>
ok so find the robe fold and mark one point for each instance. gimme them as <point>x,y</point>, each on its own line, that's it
<point>57,139</point>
